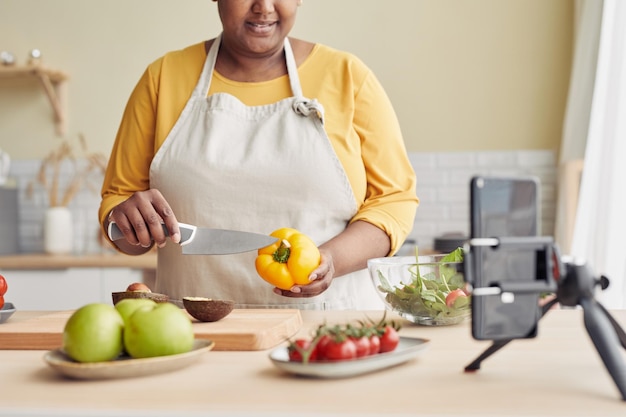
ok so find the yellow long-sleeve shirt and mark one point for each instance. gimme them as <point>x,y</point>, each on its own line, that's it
<point>359,120</point>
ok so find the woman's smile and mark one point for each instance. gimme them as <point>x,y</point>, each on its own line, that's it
<point>261,27</point>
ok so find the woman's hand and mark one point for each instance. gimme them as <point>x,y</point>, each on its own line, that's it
<point>320,278</point>
<point>343,254</point>
<point>140,219</point>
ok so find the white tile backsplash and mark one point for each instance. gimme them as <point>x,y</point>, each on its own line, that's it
<point>442,186</point>
<point>84,207</point>
<point>443,180</point>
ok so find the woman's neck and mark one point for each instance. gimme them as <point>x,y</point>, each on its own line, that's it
<point>243,68</point>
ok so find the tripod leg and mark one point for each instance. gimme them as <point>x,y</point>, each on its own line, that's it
<point>605,339</point>
<point>496,346</point>
<point>620,332</point>
<point>499,344</point>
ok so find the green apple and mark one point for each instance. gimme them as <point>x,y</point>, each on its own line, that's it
<point>127,306</point>
<point>94,333</point>
<point>159,330</point>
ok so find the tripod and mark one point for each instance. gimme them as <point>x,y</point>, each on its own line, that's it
<point>575,287</point>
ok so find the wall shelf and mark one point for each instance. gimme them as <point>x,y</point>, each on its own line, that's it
<point>53,83</point>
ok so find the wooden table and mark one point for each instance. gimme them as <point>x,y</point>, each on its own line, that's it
<point>559,373</point>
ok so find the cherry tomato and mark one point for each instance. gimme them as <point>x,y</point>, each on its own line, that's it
<point>389,340</point>
<point>453,295</point>
<point>362,345</point>
<point>340,350</point>
<point>322,344</point>
<point>3,285</point>
<point>1,301</point>
<point>296,349</point>
<point>374,344</point>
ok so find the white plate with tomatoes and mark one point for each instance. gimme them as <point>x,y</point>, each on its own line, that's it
<point>407,349</point>
<point>6,311</point>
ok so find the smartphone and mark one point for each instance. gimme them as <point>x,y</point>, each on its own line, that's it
<point>504,207</point>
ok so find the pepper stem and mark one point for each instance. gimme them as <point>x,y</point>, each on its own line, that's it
<point>283,252</point>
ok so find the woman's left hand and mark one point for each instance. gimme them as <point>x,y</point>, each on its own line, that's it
<point>345,253</point>
<point>321,278</point>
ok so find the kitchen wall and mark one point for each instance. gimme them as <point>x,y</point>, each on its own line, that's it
<point>33,201</point>
<point>443,179</point>
<point>443,187</point>
<point>464,75</point>
<point>478,85</point>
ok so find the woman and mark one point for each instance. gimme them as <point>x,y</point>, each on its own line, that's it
<point>255,131</point>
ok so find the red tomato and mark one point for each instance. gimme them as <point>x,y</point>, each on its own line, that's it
<point>374,344</point>
<point>453,295</point>
<point>362,345</point>
<point>340,350</point>
<point>321,347</point>
<point>295,350</point>
<point>1,301</point>
<point>3,285</point>
<point>389,340</point>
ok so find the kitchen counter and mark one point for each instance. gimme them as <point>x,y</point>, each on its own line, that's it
<point>99,260</point>
<point>559,373</point>
<point>38,263</point>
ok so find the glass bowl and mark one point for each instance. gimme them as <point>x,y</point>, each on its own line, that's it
<point>425,290</point>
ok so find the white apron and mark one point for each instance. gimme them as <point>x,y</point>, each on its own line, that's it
<point>230,166</point>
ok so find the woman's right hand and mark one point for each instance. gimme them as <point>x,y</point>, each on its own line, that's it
<point>140,220</point>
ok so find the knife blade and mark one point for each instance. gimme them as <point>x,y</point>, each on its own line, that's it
<point>204,241</point>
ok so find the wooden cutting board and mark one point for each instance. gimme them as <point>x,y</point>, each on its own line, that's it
<point>242,329</point>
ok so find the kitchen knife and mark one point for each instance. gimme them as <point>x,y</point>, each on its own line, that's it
<point>200,241</point>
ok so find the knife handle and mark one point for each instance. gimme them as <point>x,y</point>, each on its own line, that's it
<point>187,232</point>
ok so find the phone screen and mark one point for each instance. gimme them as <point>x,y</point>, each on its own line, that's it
<point>504,207</point>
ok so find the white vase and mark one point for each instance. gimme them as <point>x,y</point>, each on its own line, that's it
<point>58,231</point>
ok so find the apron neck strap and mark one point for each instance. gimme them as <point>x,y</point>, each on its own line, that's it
<point>202,88</point>
<point>292,70</point>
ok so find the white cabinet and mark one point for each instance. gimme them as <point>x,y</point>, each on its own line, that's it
<point>65,289</point>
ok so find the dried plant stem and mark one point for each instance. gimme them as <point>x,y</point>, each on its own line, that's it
<point>53,164</point>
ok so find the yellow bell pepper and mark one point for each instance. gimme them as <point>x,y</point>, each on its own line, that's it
<point>289,261</point>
